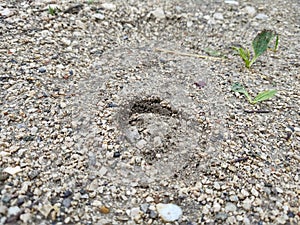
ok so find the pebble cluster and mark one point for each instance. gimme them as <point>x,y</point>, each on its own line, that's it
<point>100,125</point>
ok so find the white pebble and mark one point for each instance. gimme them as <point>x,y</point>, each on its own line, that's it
<point>216,207</point>
<point>247,204</point>
<point>135,214</point>
<point>189,23</point>
<point>282,219</point>
<point>99,16</point>
<point>250,11</point>
<point>159,13</point>
<point>261,16</point>
<point>230,2</point>
<point>279,190</point>
<point>149,199</point>
<point>230,207</point>
<point>12,170</point>
<point>26,217</point>
<point>169,212</point>
<point>141,144</point>
<point>14,210</point>
<point>63,105</point>
<point>102,171</point>
<point>6,12</point>
<point>218,16</point>
<point>254,192</point>
<point>109,6</point>
<point>246,221</point>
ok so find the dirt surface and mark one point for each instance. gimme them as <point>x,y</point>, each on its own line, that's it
<point>110,109</point>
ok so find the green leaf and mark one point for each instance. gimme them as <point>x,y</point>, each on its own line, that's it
<point>276,43</point>
<point>265,95</point>
<point>237,87</point>
<point>212,52</point>
<point>245,55</point>
<point>52,11</point>
<point>261,42</point>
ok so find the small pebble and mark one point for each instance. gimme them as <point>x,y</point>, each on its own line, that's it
<point>218,16</point>
<point>26,217</point>
<point>159,13</point>
<point>250,11</point>
<point>109,6</point>
<point>67,202</point>
<point>189,23</point>
<point>117,154</point>
<point>99,16</point>
<point>141,144</point>
<point>261,16</point>
<point>6,12</point>
<point>153,214</point>
<point>221,216</point>
<point>216,207</point>
<point>104,210</point>
<point>3,209</point>
<point>14,210</point>
<point>42,70</point>
<point>144,207</point>
<point>230,2</point>
<point>247,204</point>
<point>169,212</point>
<point>230,207</point>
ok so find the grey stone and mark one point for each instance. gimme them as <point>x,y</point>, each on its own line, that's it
<point>109,6</point>
<point>132,134</point>
<point>153,214</point>
<point>99,16</point>
<point>14,210</point>
<point>157,141</point>
<point>144,207</point>
<point>141,144</point>
<point>230,2</point>
<point>218,16</point>
<point>159,13</point>
<point>26,217</point>
<point>230,207</point>
<point>247,204</point>
<point>221,216</point>
<point>3,209</point>
<point>6,12</point>
<point>42,70</point>
<point>33,174</point>
<point>261,16</point>
<point>169,212</point>
<point>251,11</point>
<point>67,202</point>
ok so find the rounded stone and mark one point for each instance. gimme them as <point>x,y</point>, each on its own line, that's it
<point>169,212</point>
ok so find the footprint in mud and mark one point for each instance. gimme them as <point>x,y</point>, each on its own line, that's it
<point>158,132</point>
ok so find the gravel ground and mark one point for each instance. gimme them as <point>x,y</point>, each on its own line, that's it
<point>99,124</point>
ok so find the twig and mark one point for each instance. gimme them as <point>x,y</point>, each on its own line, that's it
<point>257,111</point>
<point>241,159</point>
<point>188,54</point>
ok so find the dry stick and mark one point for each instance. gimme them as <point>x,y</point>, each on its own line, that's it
<point>188,54</point>
<point>241,159</point>
<point>257,111</point>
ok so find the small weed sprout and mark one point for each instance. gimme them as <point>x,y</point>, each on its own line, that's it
<point>262,96</point>
<point>52,11</point>
<point>260,44</point>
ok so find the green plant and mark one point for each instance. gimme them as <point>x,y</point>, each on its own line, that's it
<point>260,44</point>
<point>52,11</point>
<point>262,96</point>
<point>276,43</point>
